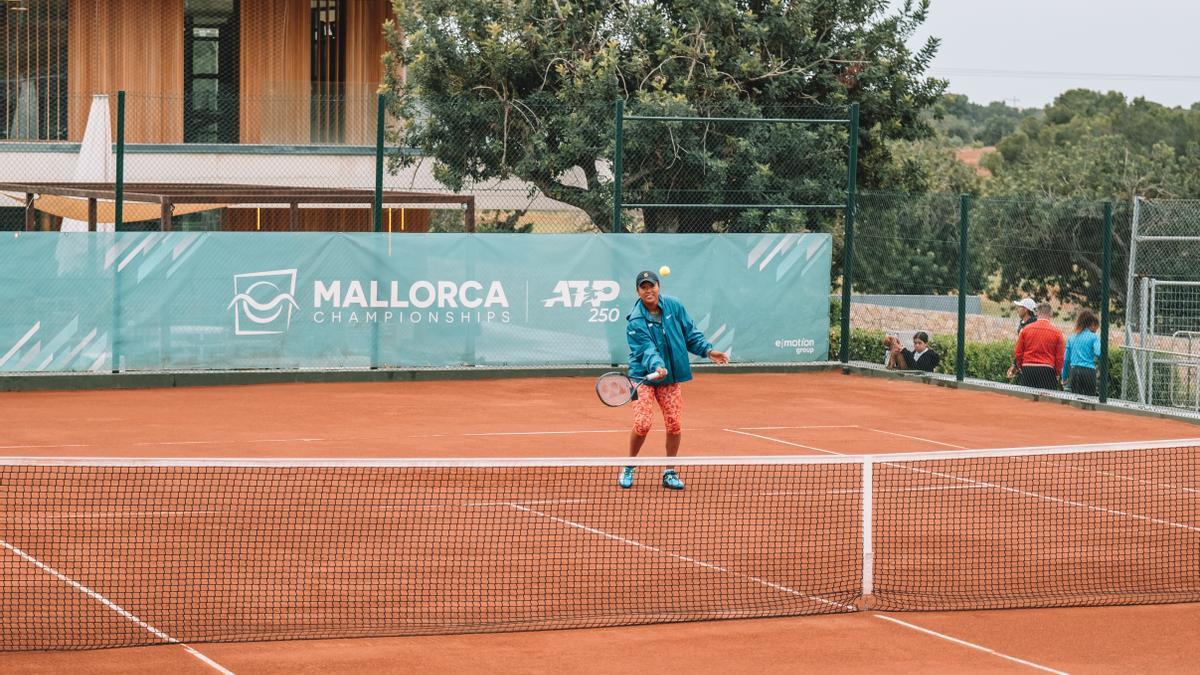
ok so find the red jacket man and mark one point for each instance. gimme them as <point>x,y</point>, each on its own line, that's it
<point>1040,351</point>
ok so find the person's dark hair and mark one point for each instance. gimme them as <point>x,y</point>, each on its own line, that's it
<point>1086,319</point>
<point>922,336</point>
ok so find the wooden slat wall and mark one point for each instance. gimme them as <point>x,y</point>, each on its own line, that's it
<point>275,71</point>
<point>132,45</point>
<point>324,220</point>
<point>33,50</point>
<point>365,46</point>
<point>137,46</point>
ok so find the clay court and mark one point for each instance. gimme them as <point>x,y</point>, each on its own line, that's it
<point>820,414</point>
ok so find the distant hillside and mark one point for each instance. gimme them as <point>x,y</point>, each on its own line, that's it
<point>972,156</point>
<point>956,117</point>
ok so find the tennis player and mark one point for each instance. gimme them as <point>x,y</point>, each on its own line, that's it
<point>660,335</point>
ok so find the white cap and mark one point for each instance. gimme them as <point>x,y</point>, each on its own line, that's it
<point>1027,303</point>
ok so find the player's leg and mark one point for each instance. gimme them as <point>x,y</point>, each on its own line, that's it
<point>670,399</point>
<point>643,417</point>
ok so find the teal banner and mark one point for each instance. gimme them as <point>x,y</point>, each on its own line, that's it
<point>226,300</point>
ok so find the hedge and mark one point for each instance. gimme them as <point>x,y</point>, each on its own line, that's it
<point>985,360</point>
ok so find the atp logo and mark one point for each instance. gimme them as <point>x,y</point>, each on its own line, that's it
<point>263,302</point>
<point>573,293</point>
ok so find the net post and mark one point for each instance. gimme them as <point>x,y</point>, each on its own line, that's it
<point>848,238</point>
<point>964,218</point>
<point>377,211</point>
<point>118,219</point>
<point>1104,300</point>
<point>619,115</point>
<point>868,535</point>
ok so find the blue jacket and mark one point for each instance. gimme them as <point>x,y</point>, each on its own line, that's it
<point>663,342</point>
<point>1083,348</point>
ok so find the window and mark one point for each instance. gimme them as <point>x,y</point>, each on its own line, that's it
<point>328,72</point>
<point>210,71</point>
<point>33,63</point>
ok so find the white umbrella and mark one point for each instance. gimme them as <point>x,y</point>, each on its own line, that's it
<point>96,162</point>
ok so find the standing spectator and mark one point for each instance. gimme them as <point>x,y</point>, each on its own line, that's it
<point>1027,313</point>
<point>1039,352</point>
<point>1083,349</point>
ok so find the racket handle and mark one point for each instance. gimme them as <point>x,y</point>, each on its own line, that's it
<point>653,376</point>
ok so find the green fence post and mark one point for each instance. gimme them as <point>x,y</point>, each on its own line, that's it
<point>964,219</point>
<point>848,239</point>
<point>119,206</point>
<point>118,220</point>
<point>377,216</point>
<point>1105,273</point>
<point>618,151</point>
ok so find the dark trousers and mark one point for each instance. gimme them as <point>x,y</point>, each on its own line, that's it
<point>1082,380</point>
<point>1039,377</point>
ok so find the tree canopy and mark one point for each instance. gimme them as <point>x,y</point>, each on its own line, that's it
<point>525,89</point>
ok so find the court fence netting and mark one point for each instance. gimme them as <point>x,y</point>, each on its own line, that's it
<point>123,552</point>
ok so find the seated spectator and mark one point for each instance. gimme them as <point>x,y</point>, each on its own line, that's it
<point>920,357</point>
<point>1083,349</point>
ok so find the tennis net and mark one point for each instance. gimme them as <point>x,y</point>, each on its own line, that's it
<point>120,552</point>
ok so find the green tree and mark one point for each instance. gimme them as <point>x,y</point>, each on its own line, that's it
<point>1086,146</point>
<point>956,117</point>
<point>525,89</point>
<point>906,241</point>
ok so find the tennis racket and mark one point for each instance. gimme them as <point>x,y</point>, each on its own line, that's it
<point>616,389</point>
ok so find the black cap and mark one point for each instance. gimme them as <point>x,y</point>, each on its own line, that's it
<point>643,277</point>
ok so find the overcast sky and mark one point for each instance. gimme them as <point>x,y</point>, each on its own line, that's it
<point>1026,52</point>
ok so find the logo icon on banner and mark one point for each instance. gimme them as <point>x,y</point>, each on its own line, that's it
<point>263,302</point>
<point>577,293</point>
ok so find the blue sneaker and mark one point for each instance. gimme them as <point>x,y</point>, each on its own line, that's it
<point>671,480</point>
<point>626,481</point>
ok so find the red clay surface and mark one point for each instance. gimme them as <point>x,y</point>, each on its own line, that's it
<point>825,413</point>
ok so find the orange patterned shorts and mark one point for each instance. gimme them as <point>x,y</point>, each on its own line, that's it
<point>670,399</point>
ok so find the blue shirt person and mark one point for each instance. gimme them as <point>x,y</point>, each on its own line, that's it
<point>1083,351</point>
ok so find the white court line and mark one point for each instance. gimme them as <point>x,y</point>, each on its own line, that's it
<point>777,440</point>
<point>102,515</point>
<point>1057,500</point>
<point>113,606</point>
<point>1131,479</point>
<point>549,433</point>
<point>700,563</point>
<point>813,426</point>
<point>1003,488</point>
<point>854,491</point>
<point>971,645</point>
<point>234,442</point>
<point>918,438</point>
<point>532,502</point>
<point>70,445</point>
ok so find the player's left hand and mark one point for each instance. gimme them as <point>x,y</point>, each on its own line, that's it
<point>718,357</point>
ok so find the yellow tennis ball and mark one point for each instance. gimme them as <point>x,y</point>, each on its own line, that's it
<point>664,271</point>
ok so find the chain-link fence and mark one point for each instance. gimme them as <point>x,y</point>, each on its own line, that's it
<point>1162,364</point>
<point>540,167</point>
<point>533,166</point>
<point>909,277</point>
<point>731,168</point>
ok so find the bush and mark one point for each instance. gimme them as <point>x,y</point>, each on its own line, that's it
<point>985,360</point>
